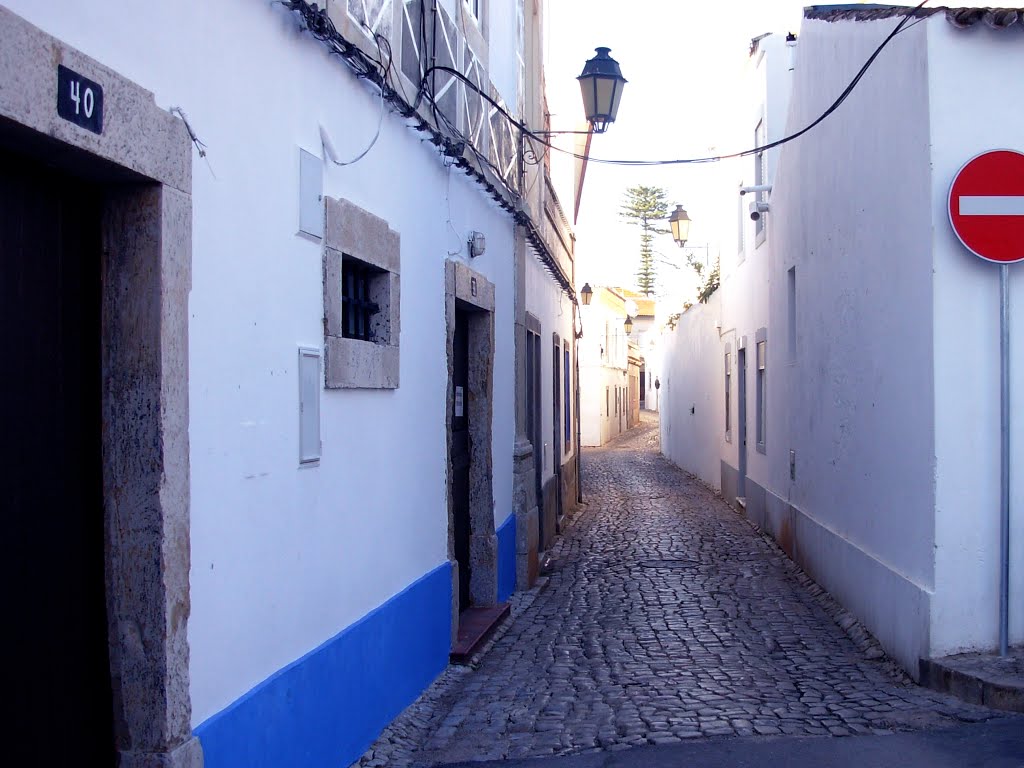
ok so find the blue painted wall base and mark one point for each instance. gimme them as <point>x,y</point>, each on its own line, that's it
<point>507,559</point>
<point>326,708</point>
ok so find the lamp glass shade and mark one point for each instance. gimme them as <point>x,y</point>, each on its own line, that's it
<point>601,86</point>
<point>628,325</point>
<point>679,221</point>
<point>586,293</point>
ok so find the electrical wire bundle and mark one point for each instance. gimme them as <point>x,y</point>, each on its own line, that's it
<point>451,142</point>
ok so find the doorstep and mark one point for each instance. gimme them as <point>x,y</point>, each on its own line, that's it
<point>979,678</point>
<point>476,624</point>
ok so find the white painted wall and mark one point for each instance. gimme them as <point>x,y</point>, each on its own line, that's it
<point>604,358</point>
<point>693,378</point>
<point>600,418</point>
<point>851,212</point>
<point>890,395</point>
<point>277,551</point>
<point>850,209</point>
<point>695,356</point>
<point>970,114</point>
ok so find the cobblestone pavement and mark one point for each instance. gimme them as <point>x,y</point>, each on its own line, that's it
<point>666,616</point>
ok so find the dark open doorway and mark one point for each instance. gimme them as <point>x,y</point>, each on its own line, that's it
<point>50,327</point>
<point>534,421</point>
<point>741,407</point>
<point>460,455</point>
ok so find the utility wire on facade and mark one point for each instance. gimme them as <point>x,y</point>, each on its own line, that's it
<point>689,161</point>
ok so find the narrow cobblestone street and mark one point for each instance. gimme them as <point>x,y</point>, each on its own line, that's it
<point>666,617</point>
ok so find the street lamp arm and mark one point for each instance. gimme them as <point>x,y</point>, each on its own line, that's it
<point>562,133</point>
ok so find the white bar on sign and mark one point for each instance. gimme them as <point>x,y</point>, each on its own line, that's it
<point>992,205</point>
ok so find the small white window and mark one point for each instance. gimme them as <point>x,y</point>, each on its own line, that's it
<point>309,405</point>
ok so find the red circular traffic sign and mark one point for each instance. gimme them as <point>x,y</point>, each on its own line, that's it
<point>986,205</point>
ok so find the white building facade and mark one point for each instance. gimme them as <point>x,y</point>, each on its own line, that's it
<point>304,480</point>
<point>604,368</point>
<point>843,383</point>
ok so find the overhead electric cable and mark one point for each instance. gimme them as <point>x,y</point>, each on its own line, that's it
<point>686,161</point>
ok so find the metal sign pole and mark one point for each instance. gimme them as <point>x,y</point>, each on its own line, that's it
<point>985,206</point>
<point>1004,517</point>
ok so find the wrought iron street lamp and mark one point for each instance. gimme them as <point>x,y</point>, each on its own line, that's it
<point>601,84</point>
<point>586,293</point>
<point>679,221</point>
<point>628,325</point>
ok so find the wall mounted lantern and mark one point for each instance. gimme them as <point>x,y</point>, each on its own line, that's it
<point>586,293</point>
<point>680,224</point>
<point>601,84</point>
<point>628,325</point>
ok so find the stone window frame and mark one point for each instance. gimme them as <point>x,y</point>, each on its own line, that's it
<point>352,233</point>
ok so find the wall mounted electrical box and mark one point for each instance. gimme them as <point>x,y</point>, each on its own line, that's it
<point>310,384</point>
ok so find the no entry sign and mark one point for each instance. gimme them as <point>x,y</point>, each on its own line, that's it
<point>986,206</point>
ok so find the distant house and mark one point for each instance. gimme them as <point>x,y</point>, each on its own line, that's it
<point>842,387</point>
<point>605,352</point>
<point>294,326</point>
<point>646,333</point>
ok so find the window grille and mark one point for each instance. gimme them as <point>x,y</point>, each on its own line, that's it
<point>356,306</point>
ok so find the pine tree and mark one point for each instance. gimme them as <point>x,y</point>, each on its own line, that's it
<point>644,206</point>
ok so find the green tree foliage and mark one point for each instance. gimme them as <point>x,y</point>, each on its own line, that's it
<point>711,283</point>
<point>644,207</point>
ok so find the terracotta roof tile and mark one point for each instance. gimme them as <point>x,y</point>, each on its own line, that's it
<point>997,18</point>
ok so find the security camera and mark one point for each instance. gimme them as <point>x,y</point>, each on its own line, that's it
<point>756,188</point>
<point>756,209</point>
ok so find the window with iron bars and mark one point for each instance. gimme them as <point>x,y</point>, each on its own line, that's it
<point>356,306</point>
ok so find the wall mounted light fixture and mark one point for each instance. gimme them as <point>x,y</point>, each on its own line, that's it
<point>477,244</point>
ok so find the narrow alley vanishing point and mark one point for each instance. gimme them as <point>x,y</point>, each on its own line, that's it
<point>666,617</point>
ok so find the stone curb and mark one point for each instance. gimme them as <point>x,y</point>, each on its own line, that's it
<point>973,689</point>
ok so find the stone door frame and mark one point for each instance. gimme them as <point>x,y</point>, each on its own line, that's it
<point>471,291</point>
<point>143,156</point>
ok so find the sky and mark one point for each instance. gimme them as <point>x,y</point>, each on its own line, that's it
<point>685,63</point>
